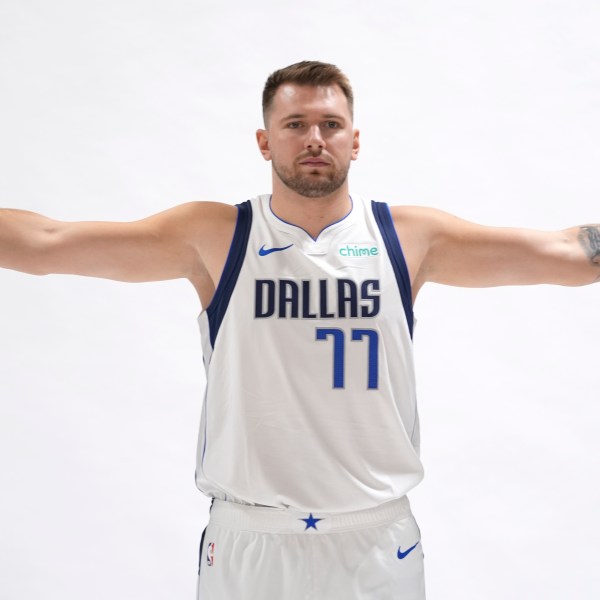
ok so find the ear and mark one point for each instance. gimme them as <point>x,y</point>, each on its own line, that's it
<point>355,143</point>
<point>262,138</point>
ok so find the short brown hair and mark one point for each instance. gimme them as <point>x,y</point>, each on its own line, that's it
<point>306,72</point>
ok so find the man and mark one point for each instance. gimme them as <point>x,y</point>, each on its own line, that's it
<point>309,437</point>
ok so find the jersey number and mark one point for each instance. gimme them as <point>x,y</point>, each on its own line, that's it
<point>339,351</point>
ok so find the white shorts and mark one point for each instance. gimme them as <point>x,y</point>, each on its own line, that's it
<point>260,553</point>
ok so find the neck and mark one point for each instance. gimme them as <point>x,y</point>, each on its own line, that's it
<point>311,214</point>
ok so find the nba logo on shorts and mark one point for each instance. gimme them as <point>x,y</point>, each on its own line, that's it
<point>210,554</point>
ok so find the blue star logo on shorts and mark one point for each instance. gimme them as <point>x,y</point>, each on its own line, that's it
<point>311,522</point>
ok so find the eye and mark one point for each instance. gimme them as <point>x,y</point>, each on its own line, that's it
<point>294,125</point>
<point>332,125</point>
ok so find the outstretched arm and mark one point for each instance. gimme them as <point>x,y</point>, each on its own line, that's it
<point>445,249</point>
<point>186,241</point>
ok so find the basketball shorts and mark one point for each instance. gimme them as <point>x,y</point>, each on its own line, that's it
<point>261,553</point>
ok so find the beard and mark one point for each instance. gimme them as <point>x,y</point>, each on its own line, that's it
<point>314,184</point>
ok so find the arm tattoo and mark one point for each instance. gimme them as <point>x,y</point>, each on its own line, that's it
<point>589,238</point>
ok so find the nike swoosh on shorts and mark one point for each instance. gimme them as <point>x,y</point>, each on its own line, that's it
<point>402,555</point>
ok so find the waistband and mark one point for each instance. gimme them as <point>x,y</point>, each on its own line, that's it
<point>241,517</point>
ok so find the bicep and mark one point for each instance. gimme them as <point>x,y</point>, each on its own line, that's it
<point>477,256</point>
<point>163,246</point>
<point>460,253</point>
<point>120,251</point>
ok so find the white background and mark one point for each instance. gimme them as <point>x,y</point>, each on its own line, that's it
<point>115,110</point>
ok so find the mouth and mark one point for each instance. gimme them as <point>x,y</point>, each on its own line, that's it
<point>314,162</point>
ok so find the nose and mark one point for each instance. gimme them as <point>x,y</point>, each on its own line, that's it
<point>314,140</point>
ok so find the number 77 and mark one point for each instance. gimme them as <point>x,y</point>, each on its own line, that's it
<point>339,352</point>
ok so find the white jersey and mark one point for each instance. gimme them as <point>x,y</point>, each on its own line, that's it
<point>310,401</point>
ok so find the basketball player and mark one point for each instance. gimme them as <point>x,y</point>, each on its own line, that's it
<point>309,466</point>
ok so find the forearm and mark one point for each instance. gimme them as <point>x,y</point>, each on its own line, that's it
<point>22,235</point>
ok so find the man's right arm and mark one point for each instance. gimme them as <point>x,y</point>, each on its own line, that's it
<point>186,241</point>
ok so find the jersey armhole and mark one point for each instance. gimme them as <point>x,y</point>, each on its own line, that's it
<point>233,265</point>
<point>383,218</point>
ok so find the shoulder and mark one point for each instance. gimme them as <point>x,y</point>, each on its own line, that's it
<point>419,229</point>
<point>428,226</point>
<point>421,216</point>
<point>201,211</point>
<point>194,218</point>
<point>204,230</point>
<point>419,226</point>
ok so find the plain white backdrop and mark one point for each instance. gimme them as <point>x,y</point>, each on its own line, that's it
<point>116,110</point>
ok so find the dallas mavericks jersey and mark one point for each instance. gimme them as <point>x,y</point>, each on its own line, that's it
<point>310,400</point>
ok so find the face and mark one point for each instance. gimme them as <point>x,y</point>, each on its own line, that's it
<point>309,139</point>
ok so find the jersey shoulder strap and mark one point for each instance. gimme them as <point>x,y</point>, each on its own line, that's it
<point>383,218</point>
<point>235,259</point>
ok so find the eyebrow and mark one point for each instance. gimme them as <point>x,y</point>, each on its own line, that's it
<point>302,116</point>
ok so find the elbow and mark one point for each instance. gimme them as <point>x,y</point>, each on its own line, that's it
<point>30,265</point>
<point>38,271</point>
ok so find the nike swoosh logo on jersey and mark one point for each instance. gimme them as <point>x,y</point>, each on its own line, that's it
<point>402,555</point>
<point>264,251</point>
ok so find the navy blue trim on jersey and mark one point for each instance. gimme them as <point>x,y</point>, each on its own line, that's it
<point>237,252</point>
<point>200,553</point>
<point>314,239</point>
<point>384,220</point>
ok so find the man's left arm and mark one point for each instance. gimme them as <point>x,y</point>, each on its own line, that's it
<point>444,249</point>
